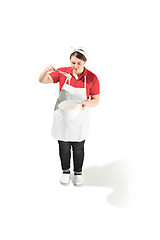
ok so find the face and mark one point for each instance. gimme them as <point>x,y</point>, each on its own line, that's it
<point>77,65</point>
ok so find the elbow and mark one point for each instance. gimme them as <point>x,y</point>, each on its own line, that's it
<point>40,79</point>
<point>97,102</point>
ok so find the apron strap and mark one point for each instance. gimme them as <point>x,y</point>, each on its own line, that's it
<point>67,79</point>
<point>85,82</point>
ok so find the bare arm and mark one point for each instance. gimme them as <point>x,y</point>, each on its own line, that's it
<point>45,77</point>
<point>92,103</point>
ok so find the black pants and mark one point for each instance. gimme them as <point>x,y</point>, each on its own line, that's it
<point>65,155</point>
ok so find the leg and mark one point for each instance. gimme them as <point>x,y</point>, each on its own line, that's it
<point>78,156</point>
<point>65,155</point>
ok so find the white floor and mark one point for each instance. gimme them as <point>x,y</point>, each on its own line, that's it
<point>34,205</point>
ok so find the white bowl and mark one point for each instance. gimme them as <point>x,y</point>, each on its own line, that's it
<point>70,109</point>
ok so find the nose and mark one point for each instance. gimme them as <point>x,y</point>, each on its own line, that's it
<point>76,65</point>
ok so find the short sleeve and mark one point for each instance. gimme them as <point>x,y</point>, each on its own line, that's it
<point>95,88</point>
<point>54,76</point>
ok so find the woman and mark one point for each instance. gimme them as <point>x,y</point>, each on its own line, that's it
<point>84,86</point>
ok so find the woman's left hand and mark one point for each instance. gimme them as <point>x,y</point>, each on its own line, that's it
<point>84,104</point>
<point>91,103</point>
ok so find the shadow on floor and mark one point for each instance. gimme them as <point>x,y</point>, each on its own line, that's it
<point>118,176</point>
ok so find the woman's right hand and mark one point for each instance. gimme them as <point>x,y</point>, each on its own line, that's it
<point>50,68</point>
<point>44,77</point>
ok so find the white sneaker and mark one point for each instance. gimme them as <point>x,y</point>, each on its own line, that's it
<point>77,180</point>
<point>65,178</point>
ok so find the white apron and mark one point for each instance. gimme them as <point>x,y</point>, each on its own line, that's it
<point>75,130</point>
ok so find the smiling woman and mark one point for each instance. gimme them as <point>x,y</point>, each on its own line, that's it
<point>77,84</point>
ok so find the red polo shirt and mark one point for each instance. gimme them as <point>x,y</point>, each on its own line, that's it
<point>92,83</point>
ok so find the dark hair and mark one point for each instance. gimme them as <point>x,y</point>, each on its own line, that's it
<point>78,55</point>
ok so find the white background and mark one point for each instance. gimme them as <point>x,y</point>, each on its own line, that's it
<point>120,198</point>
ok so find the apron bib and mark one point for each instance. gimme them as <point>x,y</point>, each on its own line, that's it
<point>75,130</point>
